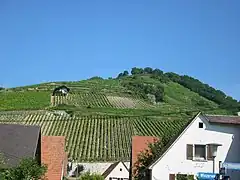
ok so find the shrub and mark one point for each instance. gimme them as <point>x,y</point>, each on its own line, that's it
<point>88,176</point>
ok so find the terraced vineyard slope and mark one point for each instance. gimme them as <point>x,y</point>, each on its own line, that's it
<point>99,116</point>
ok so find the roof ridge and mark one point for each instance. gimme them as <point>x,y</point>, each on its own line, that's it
<point>218,115</point>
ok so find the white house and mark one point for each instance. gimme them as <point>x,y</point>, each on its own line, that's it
<point>192,151</point>
<point>117,171</point>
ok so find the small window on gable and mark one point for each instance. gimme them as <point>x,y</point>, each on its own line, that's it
<point>120,169</point>
<point>200,125</point>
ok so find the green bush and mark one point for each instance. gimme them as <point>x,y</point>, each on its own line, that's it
<point>185,177</point>
<point>89,176</point>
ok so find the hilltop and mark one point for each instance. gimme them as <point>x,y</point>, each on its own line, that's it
<point>99,116</point>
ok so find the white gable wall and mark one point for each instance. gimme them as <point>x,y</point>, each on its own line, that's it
<point>175,160</point>
<point>116,173</point>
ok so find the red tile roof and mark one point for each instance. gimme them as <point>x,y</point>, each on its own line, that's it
<point>54,156</point>
<point>140,144</point>
<point>223,119</point>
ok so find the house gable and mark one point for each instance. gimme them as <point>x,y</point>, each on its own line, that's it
<point>197,135</point>
<point>117,170</point>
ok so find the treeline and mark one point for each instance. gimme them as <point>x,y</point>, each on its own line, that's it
<point>225,102</point>
<point>217,96</point>
<point>154,73</point>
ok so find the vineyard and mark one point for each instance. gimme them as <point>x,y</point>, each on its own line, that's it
<point>92,99</point>
<point>89,99</point>
<point>96,137</point>
<point>126,102</point>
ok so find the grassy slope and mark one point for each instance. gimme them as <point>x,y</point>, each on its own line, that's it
<point>24,100</point>
<point>179,95</point>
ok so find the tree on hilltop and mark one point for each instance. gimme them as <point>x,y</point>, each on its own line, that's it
<point>148,70</point>
<point>124,74</point>
<point>136,70</point>
<point>157,72</point>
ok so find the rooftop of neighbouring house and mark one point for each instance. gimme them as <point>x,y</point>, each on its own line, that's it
<point>223,119</point>
<point>18,141</point>
<point>54,156</point>
<point>112,167</point>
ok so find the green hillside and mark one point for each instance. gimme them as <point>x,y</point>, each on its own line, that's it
<point>99,116</point>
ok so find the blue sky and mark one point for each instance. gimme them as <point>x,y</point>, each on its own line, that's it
<point>72,40</point>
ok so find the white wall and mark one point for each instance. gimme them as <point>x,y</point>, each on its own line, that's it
<point>175,160</point>
<point>97,167</point>
<point>116,173</point>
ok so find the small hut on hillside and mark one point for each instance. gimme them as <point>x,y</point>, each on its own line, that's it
<point>59,95</point>
<point>61,91</point>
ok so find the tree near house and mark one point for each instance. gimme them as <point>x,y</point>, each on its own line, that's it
<point>88,176</point>
<point>154,151</point>
<point>146,157</point>
<point>27,169</point>
<point>2,163</point>
<point>2,166</point>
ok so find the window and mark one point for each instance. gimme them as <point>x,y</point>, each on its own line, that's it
<point>200,125</point>
<point>120,169</point>
<point>200,152</point>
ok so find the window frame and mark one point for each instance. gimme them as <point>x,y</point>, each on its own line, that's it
<point>191,155</point>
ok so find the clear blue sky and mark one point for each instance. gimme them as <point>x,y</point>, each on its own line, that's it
<point>52,40</point>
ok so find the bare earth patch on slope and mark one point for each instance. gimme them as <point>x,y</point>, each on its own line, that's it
<point>126,102</point>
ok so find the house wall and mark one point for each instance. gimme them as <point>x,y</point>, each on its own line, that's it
<point>175,160</point>
<point>116,173</point>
